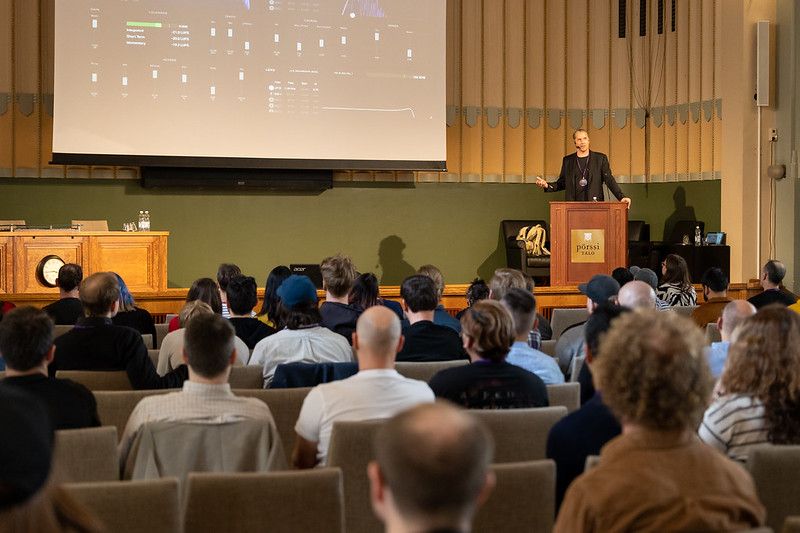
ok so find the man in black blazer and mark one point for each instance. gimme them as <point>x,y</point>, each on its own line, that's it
<point>583,174</point>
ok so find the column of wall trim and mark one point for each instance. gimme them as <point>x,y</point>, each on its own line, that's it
<point>13,106</point>
<point>503,109</point>
<point>524,117</point>
<point>40,70</point>
<point>545,83</point>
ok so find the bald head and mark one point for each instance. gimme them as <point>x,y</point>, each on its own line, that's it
<point>732,315</point>
<point>99,293</point>
<point>434,459</point>
<point>637,295</point>
<point>377,337</point>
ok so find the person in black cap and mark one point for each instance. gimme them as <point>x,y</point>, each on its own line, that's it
<point>27,501</point>
<point>599,289</point>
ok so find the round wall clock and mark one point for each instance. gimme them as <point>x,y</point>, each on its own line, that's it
<point>47,270</point>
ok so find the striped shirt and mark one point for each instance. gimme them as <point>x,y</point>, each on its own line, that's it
<point>673,294</point>
<point>735,424</point>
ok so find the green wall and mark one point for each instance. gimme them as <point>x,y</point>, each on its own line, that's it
<point>387,230</point>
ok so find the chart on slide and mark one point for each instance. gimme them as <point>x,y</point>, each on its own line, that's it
<point>367,62</point>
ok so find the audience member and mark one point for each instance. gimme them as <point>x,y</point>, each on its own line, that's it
<point>225,272</point>
<point>585,431</point>
<point>366,293</point>
<point>637,295</point>
<point>242,298</point>
<point>732,315</point>
<point>203,289</point>
<point>303,339</point>
<point>760,386</point>
<point>489,382</point>
<point>67,309</point>
<point>715,294</point>
<point>29,499</point>
<point>657,476</point>
<point>676,286</point>
<point>522,306</point>
<point>622,275</point>
<point>425,340</point>
<point>26,345</point>
<point>96,343</point>
<point>131,316</point>
<point>338,275</point>
<point>269,309</point>
<point>600,289</point>
<point>376,391</point>
<point>650,277</point>
<point>440,315</point>
<point>170,354</point>
<point>504,279</point>
<point>478,290</point>
<point>431,471</point>
<point>206,397</point>
<point>771,277</point>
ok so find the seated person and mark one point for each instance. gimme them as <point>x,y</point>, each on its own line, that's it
<point>676,286</point>
<point>522,306</point>
<point>206,397</point>
<point>440,315</point>
<point>170,354</point>
<point>67,309</point>
<point>478,290</point>
<point>759,402</point>
<point>771,278</point>
<point>715,294</point>
<point>98,344</point>
<point>29,498</point>
<point>622,275</point>
<point>269,308</point>
<point>431,470</point>
<point>242,298</point>
<point>585,431</point>
<point>732,315</point>
<point>303,339</point>
<point>225,272</point>
<point>376,391</point>
<point>504,279</point>
<point>424,340</point>
<point>366,293</point>
<point>129,315</point>
<point>26,343</point>
<point>205,290</point>
<point>657,476</point>
<point>338,275</point>
<point>489,382</point>
<point>648,276</point>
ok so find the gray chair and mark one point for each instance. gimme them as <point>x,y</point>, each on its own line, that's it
<point>161,332</point>
<point>523,499</point>
<point>685,310</point>
<point>565,394</point>
<point>147,339</point>
<point>575,367</point>
<point>115,407</point>
<point>351,450</point>
<point>712,333</point>
<point>98,380</point>
<point>549,347</point>
<point>520,434</point>
<point>153,355</point>
<point>425,371</point>
<point>279,502</point>
<point>88,454</point>
<point>132,506</point>
<point>564,318</point>
<point>60,329</point>
<point>776,473</point>
<point>246,377</point>
<point>285,406</point>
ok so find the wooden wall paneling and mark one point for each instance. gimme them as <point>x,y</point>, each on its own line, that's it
<point>707,88</point>
<point>26,80</point>
<point>597,81</point>
<point>695,85</point>
<point>472,90</point>
<point>138,259</point>
<point>717,124</point>
<point>6,114</point>
<point>28,251</point>
<point>493,140</point>
<point>535,86</point>
<point>453,96</point>
<point>577,57</point>
<point>46,114</point>
<point>556,80</point>
<point>682,79</point>
<point>620,141</point>
<point>670,97</point>
<point>640,71</point>
<point>6,264</point>
<point>514,90</point>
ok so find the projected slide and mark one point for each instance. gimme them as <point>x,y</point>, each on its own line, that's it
<point>340,80</point>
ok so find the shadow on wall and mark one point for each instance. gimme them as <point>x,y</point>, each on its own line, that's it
<point>681,212</point>
<point>496,259</point>
<point>394,269</point>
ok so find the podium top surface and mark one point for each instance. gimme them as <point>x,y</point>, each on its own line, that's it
<point>76,233</point>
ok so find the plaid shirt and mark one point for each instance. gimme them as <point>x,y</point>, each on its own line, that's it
<point>535,339</point>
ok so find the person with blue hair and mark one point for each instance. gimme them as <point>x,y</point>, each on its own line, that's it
<point>129,315</point>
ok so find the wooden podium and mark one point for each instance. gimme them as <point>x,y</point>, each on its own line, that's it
<point>586,238</point>
<point>139,257</point>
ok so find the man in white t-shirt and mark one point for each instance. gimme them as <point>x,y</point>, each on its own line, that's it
<point>377,391</point>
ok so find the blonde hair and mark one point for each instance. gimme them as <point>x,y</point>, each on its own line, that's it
<point>491,327</point>
<point>338,274</point>
<point>436,275</point>
<point>505,279</point>
<point>191,310</point>
<point>652,370</point>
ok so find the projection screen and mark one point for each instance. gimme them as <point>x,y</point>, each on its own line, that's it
<point>250,83</point>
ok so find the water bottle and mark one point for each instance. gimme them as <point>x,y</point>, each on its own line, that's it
<point>146,221</point>
<point>140,225</point>
<point>698,236</point>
